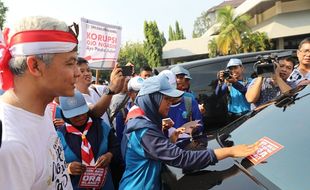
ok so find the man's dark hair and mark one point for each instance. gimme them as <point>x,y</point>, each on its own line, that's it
<point>289,59</point>
<point>145,68</point>
<point>81,61</point>
<point>306,40</point>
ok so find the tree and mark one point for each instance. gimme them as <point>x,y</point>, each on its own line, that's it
<point>171,34</point>
<point>201,25</point>
<point>235,36</point>
<point>231,29</point>
<point>134,53</point>
<point>3,10</point>
<point>255,41</point>
<point>153,43</point>
<point>178,34</point>
<point>212,46</point>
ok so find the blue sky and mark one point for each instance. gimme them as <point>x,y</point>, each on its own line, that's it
<point>129,14</point>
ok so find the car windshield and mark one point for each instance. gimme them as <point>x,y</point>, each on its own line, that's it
<point>287,122</point>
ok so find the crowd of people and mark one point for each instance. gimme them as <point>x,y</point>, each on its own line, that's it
<point>56,123</point>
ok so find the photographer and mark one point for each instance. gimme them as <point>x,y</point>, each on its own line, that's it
<point>263,89</point>
<point>232,84</point>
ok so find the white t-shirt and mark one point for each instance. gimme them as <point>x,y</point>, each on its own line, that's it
<point>93,97</point>
<point>296,77</point>
<point>31,155</point>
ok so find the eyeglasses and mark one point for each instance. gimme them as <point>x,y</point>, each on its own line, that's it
<point>305,51</point>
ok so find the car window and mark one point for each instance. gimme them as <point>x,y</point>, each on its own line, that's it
<point>288,124</point>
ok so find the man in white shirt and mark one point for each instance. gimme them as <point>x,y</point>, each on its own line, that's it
<point>301,74</point>
<point>98,98</point>
<point>38,65</point>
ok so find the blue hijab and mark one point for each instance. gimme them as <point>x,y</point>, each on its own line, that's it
<point>150,103</point>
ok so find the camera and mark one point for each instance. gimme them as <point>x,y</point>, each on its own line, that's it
<point>127,70</point>
<point>226,73</point>
<point>265,65</point>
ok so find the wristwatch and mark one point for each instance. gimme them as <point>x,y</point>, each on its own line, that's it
<point>108,91</point>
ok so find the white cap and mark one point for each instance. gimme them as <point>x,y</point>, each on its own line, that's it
<point>171,77</point>
<point>234,62</point>
<point>135,83</point>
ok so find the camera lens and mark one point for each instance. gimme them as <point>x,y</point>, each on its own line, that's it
<point>226,74</point>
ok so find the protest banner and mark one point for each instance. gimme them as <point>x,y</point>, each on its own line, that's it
<point>100,43</point>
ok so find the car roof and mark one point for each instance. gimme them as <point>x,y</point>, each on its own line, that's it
<point>245,57</point>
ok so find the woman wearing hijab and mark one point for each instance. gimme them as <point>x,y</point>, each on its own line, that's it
<point>145,147</point>
<point>87,141</point>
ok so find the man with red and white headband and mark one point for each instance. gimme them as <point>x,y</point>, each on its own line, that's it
<point>38,63</point>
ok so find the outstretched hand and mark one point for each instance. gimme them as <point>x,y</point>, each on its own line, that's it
<point>240,151</point>
<point>116,80</point>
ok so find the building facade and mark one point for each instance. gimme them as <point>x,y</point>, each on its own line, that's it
<point>286,22</point>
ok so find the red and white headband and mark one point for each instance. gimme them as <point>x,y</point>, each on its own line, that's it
<point>32,42</point>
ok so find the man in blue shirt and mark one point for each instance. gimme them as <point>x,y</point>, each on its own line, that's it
<point>234,86</point>
<point>183,110</point>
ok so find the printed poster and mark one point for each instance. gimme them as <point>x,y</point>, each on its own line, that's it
<point>267,147</point>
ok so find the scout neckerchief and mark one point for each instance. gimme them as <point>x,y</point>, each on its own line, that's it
<point>86,150</point>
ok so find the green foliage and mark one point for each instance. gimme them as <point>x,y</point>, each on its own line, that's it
<point>3,10</point>
<point>255,41</point>
<point>201,25</point>
<point>178,34</point>
<point>171,34</point>
<point>153,44</point>
<point>133,53</point>
<point>235,36</point>
<point>213,50</point>
<point>231,29</point>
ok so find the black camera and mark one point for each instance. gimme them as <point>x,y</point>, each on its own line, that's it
<point>226,74</point>
<point>265,65</point>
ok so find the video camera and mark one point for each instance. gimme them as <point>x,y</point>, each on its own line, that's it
<point>265,65</point>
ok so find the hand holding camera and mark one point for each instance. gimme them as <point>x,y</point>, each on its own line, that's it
<point>223,74</point>
<point>226,75</point>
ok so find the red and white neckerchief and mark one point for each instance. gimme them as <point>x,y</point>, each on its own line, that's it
<point>134,112</point>
<point>31,42</point>
<point>86,150</point>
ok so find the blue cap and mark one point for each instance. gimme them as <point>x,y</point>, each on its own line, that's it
<point>188,76</point>
<point>170,76</point>
<point>159,84</point>
<point>234,62</point>
<point>73,106</point>
<point>179,70</point>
